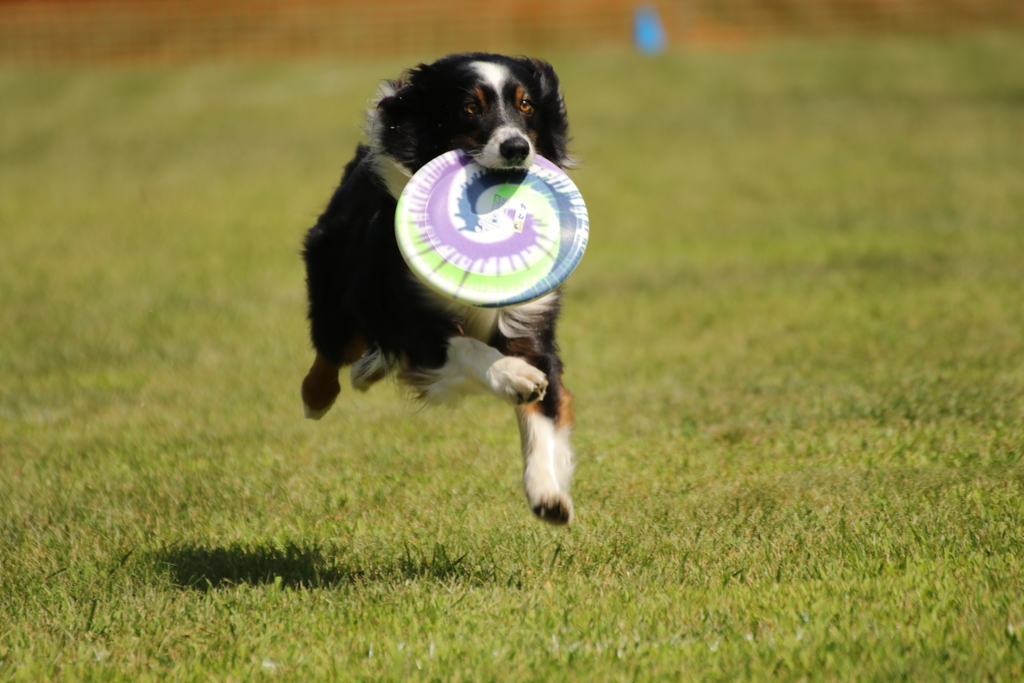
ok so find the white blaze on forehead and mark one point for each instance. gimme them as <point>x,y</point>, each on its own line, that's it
<point>495,75</point>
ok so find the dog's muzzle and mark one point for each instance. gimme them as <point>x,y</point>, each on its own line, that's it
<point>508,147</point>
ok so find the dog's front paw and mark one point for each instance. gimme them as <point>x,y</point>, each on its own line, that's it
<point>516,381</point>
<point>555,508</point>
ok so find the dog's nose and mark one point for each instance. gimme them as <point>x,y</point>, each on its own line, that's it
<point>515,149</point>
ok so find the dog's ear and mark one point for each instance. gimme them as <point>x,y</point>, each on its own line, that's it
<point>551,103</point>
<point>390,121</point>
<point>546,77</point>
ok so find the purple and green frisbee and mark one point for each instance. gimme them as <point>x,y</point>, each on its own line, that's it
<point>491,238</point>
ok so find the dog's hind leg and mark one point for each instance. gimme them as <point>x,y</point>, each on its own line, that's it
<point>368,370</point>
<point>321,387</point>
<point>548,461</point>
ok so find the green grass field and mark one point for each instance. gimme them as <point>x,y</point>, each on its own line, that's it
<point>796,341</point>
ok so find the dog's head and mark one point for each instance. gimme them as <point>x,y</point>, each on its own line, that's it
<point>503,111</point>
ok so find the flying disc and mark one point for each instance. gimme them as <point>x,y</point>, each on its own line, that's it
<point>491,238</point>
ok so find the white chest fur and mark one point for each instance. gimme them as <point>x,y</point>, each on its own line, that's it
<point>513,322</point>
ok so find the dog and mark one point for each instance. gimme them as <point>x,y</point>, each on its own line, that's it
<point>366,308</point>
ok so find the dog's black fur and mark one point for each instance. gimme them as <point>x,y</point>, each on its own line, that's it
<point>365,306</point>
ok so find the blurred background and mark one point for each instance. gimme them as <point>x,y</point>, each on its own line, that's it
<point>175,30</point>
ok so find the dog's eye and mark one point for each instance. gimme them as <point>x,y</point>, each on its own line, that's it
<point>526,106</point>
<point>472,109</point>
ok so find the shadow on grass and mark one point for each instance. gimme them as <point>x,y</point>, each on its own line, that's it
<point>201,567</point>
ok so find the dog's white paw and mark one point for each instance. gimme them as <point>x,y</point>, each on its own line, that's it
<point>553,508</point>
<point>516,381</point>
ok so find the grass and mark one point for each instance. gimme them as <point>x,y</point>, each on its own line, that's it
<point>796,340</point>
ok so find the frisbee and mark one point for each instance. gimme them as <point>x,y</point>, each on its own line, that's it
<point>491,238</point>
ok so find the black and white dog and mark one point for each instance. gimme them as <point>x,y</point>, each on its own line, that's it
<point>367,309</point>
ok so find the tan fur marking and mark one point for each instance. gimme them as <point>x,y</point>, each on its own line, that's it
<point>566,417</point>
<point>530,409</point>
<point>524,347</point>
<point>481,98</point>
<point>321,387</point>
<point>520,96</point>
